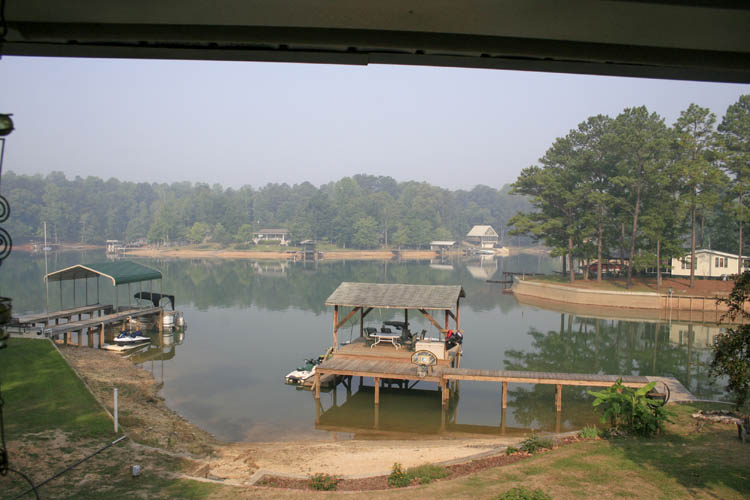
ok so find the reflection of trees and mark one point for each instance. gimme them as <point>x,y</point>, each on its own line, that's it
<point>590,345</point>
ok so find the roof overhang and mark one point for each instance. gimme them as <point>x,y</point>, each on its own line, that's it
<point>396,296</point>
<point>697,40</point>
<point>120,273</point>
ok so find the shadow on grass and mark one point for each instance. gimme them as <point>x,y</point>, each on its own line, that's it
<point>710,460</point>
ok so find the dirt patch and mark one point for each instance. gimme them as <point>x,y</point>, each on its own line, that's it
<point>142,412</point>
<point>381,482</point>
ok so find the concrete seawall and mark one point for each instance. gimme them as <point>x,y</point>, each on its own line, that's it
<point>610,298</point>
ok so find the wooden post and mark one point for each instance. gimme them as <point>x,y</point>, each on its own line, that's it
<point>377,391</point>
<point>505,395</point>
<point>335,328</point>
<point>502,420</point>
<point>362,322</point>
<point>558,398</point>
<point>317,384</point>
<point>447,320</point>
<point>101,336</point>
<point>445,395</point>
<point>80,337</point>
<point>458,315</point>
<point>317,412</point>
<point>376,423</point>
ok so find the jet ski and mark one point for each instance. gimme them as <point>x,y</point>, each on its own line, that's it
<point>134,337</point>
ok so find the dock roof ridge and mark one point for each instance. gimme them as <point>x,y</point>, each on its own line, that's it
<point>396,296</point>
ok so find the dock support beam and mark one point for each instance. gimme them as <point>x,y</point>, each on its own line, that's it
<point>377,391</point>
<point>558,398</point>
<point>505,395</point>
<point>317,384</point>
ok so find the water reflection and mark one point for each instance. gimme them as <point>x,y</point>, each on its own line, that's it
<point>253,322</point>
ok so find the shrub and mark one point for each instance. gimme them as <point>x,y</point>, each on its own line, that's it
<point>627,409</point>
<point>511,450</point>
<point>398,478</point>
<point>524,494</point>
<point>425,474</point>
<point>589,432</point>
<point>535,443</point>
<point>324,482</point>
<point>732,348</point>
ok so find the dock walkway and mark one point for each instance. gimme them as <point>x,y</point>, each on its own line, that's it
<point>443,375</point>
<point>56,316</point>
<point>99,322</point>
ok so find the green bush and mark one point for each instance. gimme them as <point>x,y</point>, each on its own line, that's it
<point>425,474</point>
<point>511,450</point>
<point>534,443</point>
<point>524,494</point>
<point>324,482</point>
<point>588,432</point>
<point>398,477</point>
<point>629,410</point>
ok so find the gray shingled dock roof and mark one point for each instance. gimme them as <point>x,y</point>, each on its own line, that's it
<point>392,296</point>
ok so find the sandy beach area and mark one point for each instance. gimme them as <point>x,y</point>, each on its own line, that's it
<point>149,421</point>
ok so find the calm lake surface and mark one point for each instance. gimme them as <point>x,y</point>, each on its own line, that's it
<point>250,323</point>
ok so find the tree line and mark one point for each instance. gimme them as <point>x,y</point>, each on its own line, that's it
<point>362,211</point>
<point>635,188</point>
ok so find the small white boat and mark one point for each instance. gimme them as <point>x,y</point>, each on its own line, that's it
<point>300,375</point>
<point>125,338</point>
<point>303,373</point>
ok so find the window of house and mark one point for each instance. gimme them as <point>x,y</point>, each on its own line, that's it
<point>716,262</point>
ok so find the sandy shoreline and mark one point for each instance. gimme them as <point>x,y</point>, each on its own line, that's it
<point>189,253</point>
<point>149,421</point>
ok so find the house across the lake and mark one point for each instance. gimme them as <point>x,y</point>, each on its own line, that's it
<point>709,263</point>
<point>440,246</point>
<point>279,235</point>
<point>484,236</point>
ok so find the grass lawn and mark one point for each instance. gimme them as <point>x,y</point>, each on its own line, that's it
<point>41,391</point>
<point>52,421</point>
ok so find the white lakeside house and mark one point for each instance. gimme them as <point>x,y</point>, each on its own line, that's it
<point>709,264</point>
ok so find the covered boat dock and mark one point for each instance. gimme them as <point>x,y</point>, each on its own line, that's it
<point>65,321</point>
<point>393,363</point>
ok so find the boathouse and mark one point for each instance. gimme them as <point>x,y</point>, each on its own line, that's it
<point>391,353</point>
<point>280,235</point>
<point>124,272</point>
<point>442,246</point>
<point>484,236</point>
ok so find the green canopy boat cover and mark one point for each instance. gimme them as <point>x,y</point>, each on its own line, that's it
<point>120,272</point>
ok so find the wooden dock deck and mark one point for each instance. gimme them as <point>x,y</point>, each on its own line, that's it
<point>99,322</point>
<point>67,314</point>
<point>443,375</point>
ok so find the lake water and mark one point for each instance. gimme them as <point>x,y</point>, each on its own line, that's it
<point>250,323</point>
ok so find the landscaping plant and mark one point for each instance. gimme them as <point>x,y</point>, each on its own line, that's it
<point>627,409</point>
<point>534,443</point>
<point>589,432</point>
<point>732,348</point>
<point>521,493</point>
<point>398,477</point>
<point>324,482</point>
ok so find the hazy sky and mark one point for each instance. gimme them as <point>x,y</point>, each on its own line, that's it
<point>254,123</point>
